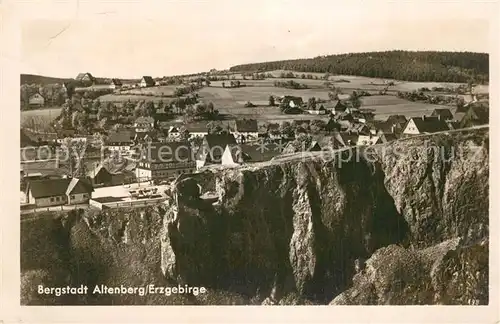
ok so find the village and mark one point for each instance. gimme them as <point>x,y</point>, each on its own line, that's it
<point>115,171</point>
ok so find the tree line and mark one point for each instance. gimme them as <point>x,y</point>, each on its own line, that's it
<point>400,65</point>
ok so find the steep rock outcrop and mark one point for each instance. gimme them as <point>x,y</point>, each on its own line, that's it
<point>299,225</point>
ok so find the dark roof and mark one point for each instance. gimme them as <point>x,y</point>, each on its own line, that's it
<point>297,100</point>
<point>444,113</point>
<point>246,125</point>
<point>382,126</point>
<point>254,153</point>
<point>95,171</point>
<point>213,147</point>
<point>197,128</point>
<point>78,186</point>
<point>338,105</point>
<point>393,119</point>
<point>387,137</point>
<point>480,113</point>
<point>148,80</point>
<point>80,76</point>
<point>293,111</point>
<point>453,124</point>
<point>430,124</point>
<point>48,187</point>
<point>121,137</point>
<point>348,139</point>
<point>219,140</point>
<point>167,152</point>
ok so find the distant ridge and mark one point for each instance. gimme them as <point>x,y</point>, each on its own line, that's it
<point>40,79</point>
<point>400,65</point>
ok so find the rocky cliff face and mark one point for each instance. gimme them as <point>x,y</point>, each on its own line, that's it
<point>303,226</point>
<point>402,223</point>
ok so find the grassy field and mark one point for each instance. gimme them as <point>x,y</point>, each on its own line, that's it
<point>40,117</point>
<point>355,82</point>
<point>231,101</point>
<point>155,91</point>
<point>116,98</point>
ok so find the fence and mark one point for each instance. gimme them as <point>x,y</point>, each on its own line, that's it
<point>130,203</point>
<point>33,209</point>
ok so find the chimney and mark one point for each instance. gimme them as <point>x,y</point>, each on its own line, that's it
<point>423,117</point>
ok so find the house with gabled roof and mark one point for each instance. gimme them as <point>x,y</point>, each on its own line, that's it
<point>120,141</point>
<point>85,78</point>
<point>55,192</point>
<point>425,125</point>
<point>442,113</point>
<point>147,81</point>
<point>238,154</point>
<point>246,130</point>
<point>476,115</point>
<point>36,100</point>
<point>291,102</point>
<point>369,140</point>
<point>164,160</point>
<point>212,149</point>
<point>144,124</point>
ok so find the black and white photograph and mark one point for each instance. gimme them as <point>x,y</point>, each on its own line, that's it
<point>267,153</point>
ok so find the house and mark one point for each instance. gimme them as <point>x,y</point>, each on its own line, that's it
<point>119,141</point>
<point>144,124</point>
<point>442,113</point>
<point>347,139</point>
<point>293,111</point>
<point>299,146</point>
<point>476,115</point>
<point>453,124</point>
<point>359,128</point>
<point>36,100</point>
<point>174,132</point>
<point>339,107</point>
<point>237,154</point>
<point>369,140</point>
<point>424,125</point>
<point>54,192</point>
<point>460,113</point>
<point>145,137</point>
<point>147,81</point>
<point>85,78</point>
<point>246,130</point>
<point>101,176</point>
<point>396,119</point>
<point>78,191</point>
<point>317,112</point>
<point>197,130</point>
<point>115,84</point>
<point>165,161</point>
<point>329,142</point>
<point>291,102</point>
<point>212,149</point>
<point>387,137</point>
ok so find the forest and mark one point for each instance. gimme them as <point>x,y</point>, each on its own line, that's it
<point>420,66</point>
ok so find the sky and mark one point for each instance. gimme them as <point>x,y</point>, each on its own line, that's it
<point>131,39</point>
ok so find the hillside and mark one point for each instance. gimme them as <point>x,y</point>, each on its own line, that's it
<point>41,80</point>
<point>399,65</point>
<point>396,225</point>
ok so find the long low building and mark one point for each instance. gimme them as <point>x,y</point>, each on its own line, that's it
<point>55,192</point>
